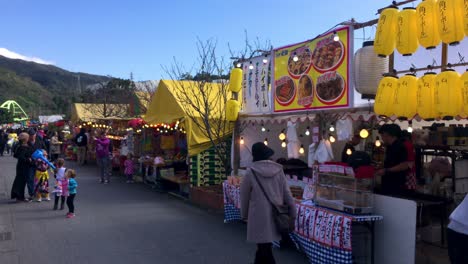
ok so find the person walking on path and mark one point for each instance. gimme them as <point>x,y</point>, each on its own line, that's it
<point>256,207</point>
<point>55,146</point>
<point>81,140</point>
<point>102,156</point>
<point>23,153</point>
<point>72,185</point>
<point>61,185</point>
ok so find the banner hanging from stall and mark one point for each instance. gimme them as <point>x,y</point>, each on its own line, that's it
<point>314,74</point>
<point>256,85</point>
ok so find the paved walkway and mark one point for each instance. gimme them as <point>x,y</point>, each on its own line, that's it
<point>118,223</point>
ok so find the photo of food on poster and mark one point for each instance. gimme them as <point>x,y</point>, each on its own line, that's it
<point>313,74</point>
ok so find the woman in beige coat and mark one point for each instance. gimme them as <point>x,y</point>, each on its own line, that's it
<point>256,208</point>
<point>55,146</point>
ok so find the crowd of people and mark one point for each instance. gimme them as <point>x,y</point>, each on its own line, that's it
<point>33,170</point>
<point>34,174</point>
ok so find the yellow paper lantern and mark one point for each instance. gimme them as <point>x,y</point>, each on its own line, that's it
<point>425,101</point>
<point>385,94</point>
<point>448,94</point>
<point>428,27</point>
<point>464,80</point>
<point>407,28</point>
<point>385,35</point>
<point>232,110</point>
<point>235,80</point>
<point>404,103</point>
<point>451,21</point>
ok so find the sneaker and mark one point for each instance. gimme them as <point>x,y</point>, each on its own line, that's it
<point>70,215</point>
<point>106,182</point>
<point>39,200</point>
<point>47,199</point>
<point>55,207</point>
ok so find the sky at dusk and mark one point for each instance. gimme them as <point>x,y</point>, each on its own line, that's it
<point>118,37</point>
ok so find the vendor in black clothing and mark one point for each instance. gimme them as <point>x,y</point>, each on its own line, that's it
<point>350,145</point>
<point>395,163</point>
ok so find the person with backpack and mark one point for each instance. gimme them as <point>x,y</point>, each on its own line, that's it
<point>81,140</point>
<point>265,200</point>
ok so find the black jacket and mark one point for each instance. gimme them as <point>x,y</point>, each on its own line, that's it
<point>81,140</point>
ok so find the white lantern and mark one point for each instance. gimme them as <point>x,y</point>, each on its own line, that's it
<point>368,70</point>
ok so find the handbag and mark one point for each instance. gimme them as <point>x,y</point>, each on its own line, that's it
<point>281,216</point>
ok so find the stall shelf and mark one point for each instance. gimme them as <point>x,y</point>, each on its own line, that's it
<point>452,152</point>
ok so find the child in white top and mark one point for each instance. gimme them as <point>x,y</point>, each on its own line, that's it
<point>61,185</point>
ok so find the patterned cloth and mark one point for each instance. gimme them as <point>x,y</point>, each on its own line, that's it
<point>41,182</point>
<point>411,182</point>
<point>129,167</point>
<point>319,254</point>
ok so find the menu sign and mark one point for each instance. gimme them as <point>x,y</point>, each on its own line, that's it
<point>256,85</point>
<point>314,74</point>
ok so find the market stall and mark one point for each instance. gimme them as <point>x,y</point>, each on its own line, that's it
<point>112,118</point>
<point>297,114</point>
<point>172,135</point>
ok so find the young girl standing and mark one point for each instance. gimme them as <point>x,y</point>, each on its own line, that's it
<point>129,168</point>
<point>41,179</point>
<point>61,185</point>
<point>72,185</point>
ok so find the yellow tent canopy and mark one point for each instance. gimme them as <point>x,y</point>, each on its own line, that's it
<point>168,106</point>
<point>95,112</point>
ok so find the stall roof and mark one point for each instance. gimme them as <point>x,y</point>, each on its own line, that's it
<point>95,112</point>
<point>167,107</point>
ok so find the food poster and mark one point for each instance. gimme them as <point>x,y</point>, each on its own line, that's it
<point>256,82</point>
<point>314,74</point>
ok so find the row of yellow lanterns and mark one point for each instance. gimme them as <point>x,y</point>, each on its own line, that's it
<point>431,22</point>
<point>233,106</point>
<point>432,96</point>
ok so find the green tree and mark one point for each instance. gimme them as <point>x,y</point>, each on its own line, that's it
<point>115,91</point>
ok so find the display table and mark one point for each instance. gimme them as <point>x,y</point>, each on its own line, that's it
<point>324,235</point>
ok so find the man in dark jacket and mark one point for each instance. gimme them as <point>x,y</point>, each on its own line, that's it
<point>396,163</point>
<point>81,140</point>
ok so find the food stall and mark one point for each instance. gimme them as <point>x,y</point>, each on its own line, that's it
<point>305,113</point>
<point>311,79</point>
<point>173,139</point>
<point>112,118</point>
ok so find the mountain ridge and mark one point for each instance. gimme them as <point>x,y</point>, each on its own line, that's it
<point>42,89</point>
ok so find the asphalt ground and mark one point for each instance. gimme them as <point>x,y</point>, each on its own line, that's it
<point>118,223</point>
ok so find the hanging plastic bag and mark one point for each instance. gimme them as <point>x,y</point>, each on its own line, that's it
<point>293,141</point>
<point>324,152</point>
<point>344,129</point>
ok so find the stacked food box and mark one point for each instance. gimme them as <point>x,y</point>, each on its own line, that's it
<point>207,168</point>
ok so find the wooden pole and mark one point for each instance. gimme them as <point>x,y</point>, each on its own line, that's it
<point>444,56</point>
<point>236,141</point>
